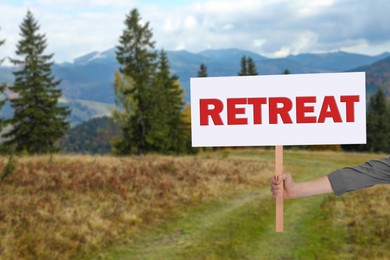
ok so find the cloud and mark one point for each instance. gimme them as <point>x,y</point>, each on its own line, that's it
<point>72,27</point>
<point>269,27</point>
<point>290,26</point>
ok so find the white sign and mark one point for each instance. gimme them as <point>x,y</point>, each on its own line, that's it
<point>298,109</point>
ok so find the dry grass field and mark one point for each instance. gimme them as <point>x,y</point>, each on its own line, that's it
<point>215,205</point>
<point>62,207</point>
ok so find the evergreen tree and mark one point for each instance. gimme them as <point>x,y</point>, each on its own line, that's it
<point>286,71</point>
<point>244,67</point>
<point>378,123</point>
<point>202,72</point>
<point>251,67</point>
<point>248,67</point>
<point>38,120</point>
<point>149,98</point>
<point>168,130</point>
<point>137,58</point>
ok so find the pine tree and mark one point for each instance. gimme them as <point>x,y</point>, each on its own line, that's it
<point>38,120</point>
<point>202,72</point>
<point>167,125</point>
<point>248,67</point>
<point>149,97</point>
<point>244,67</point>
<point>252,71</point>
<point>378,123</point>
<point>137,58</point>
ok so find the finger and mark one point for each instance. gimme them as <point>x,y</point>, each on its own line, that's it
<point>277,180</point>
<point>283,176</point>
<point>276,187</point>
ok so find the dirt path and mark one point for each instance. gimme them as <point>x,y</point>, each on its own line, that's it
<point>243,226</point>
<point>239,228</point>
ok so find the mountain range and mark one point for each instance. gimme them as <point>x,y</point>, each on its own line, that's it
<point>87,81</point>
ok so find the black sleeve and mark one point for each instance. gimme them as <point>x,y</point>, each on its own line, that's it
<point>359,177</point>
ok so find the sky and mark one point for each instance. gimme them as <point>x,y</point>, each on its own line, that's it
<point>272,28</point>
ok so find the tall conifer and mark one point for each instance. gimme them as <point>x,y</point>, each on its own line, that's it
<point>252,70</point>
<point>150,98</point>
<point>244,67</point>
<point>168,125</point>
<point>248,67</point>
<point>38,120</point>
<point>137,57</point>
<point>378,123</point>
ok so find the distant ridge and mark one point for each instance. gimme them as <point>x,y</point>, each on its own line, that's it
<point>90,77</point>
<point>336,61</point>
<point>377,76</point>
<point>230,54</point>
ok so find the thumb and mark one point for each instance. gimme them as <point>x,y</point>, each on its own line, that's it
<point>284,177</point>
<point>288,180</point>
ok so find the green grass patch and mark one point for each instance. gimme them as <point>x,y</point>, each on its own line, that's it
<point>243,226</point>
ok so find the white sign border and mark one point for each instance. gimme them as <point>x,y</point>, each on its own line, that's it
<point>292,85</point>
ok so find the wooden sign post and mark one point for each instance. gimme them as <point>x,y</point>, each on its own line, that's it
<point>280,197</point>
<point>277,110</point>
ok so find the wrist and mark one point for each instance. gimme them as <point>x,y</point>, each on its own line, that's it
<point>293,191</point>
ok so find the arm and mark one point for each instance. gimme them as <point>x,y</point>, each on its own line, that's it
<point>294,190</point>
<point>340,181</point>
<point>359,177</point>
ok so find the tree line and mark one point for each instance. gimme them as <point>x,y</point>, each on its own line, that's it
<point>377,125</point>
<point>150,102</point>
<point>150,108</point>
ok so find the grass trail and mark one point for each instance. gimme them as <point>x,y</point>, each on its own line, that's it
<point>242,226</point>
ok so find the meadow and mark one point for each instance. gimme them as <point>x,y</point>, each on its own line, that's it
<point>215,205</point>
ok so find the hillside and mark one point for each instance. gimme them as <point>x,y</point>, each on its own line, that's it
<point>90,137</point>
<point>377,76</point>
<point>84,110</point>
